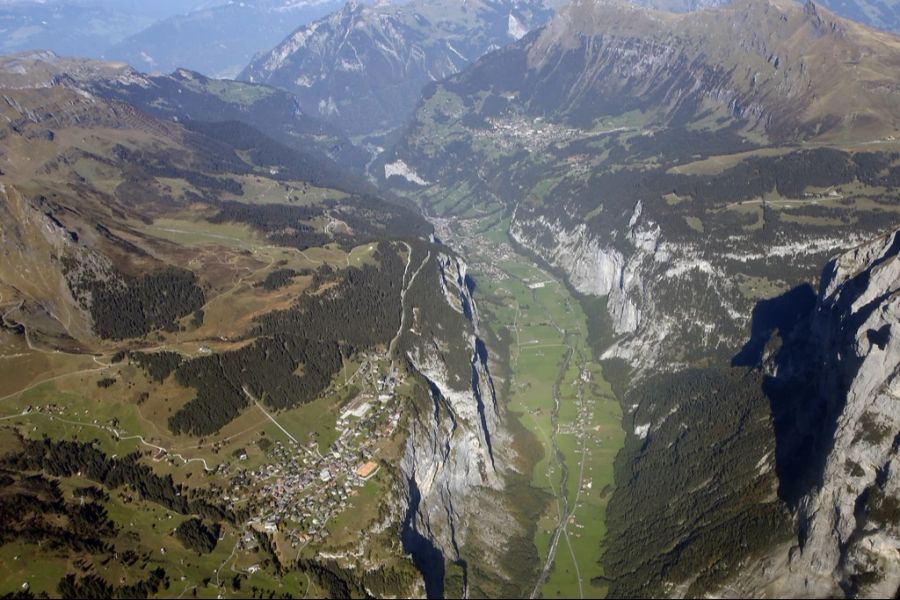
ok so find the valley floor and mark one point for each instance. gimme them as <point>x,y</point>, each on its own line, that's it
<point>559,394</point>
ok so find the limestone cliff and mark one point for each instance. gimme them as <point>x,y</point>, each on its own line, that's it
<point>834,386</point>
<point>454,456</point>
<point>670,302</point>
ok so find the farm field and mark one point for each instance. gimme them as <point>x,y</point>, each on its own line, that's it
<point>558,391</point>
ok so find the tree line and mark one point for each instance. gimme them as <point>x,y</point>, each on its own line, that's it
<point>360,311</point>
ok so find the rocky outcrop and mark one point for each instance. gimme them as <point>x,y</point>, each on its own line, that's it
<point>646,281</point>
<point>451,463</point>
<point>592,268</point>
<point>850,520</point>
<point>853,518</point>
<point>670,302</point>
<point>835,387</point>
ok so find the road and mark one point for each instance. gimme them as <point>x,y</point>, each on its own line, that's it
<point>111,430</point>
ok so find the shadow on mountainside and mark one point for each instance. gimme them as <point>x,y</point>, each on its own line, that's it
<point>808,350</point>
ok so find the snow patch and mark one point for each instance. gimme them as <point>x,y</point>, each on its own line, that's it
<point>399,167</point>
<point>328,107</point>
<point>516,28</point>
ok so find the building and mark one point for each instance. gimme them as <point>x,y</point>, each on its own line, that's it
<point>366,470</point>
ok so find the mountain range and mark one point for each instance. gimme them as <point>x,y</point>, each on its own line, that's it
<point>363,66</point>
<point>216,37</point>
<point>218,41</point>
<point>79,27</point>
<point>490,298</point>
<point>879,14</point>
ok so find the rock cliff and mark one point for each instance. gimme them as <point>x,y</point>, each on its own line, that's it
<point>455,454</point>
<point>846,362</point>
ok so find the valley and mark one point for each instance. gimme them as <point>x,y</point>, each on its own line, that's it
<point>557,391</point>
<point>484,299</point>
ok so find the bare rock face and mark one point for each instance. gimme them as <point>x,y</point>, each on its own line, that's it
<point>455,454</point>
<point>835,387</point>
<point>648,283</point>
<point>850,520</point>
<point>594,269</point>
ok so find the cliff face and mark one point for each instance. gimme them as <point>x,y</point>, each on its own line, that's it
<point>454,459</point>
<point>833,384</point>
<point>853,529</point>
<point>669,301</point>
<point>848,505</point>
<point>593,269</point>
<point>597,269</point>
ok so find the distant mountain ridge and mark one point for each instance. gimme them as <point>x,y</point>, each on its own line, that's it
<point>187,96</point>
<point>81,27</point>
<point>364,66</point>
<point>217,41</point>
<point>610,57</point>
<point>881,14</point>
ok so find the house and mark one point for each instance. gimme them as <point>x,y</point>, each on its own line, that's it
<point>366,470</point>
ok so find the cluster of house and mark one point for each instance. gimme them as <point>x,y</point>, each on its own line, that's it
<point>300,488</point>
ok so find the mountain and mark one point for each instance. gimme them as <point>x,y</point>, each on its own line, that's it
<point>83,28</point>
<point>835,384</point>
<point>216,37</point>
<point>681,5</point>
<point>219,40</point>
<point>783,84</point>
<point>879,14</point>
<point>187,96</point>
<point>202,327</point>
<point>363,67</point>
<point>811,477</point>
<point>132,161</point>
<point>688,177</point>
<point>190,96</point>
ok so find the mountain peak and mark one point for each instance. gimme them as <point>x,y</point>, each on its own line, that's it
<point>364,66</point>
<point>790,69</point>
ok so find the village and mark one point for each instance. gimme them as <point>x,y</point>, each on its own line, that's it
<point>459,233</point>
<point>533,135</point>
<point>301,486</point>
